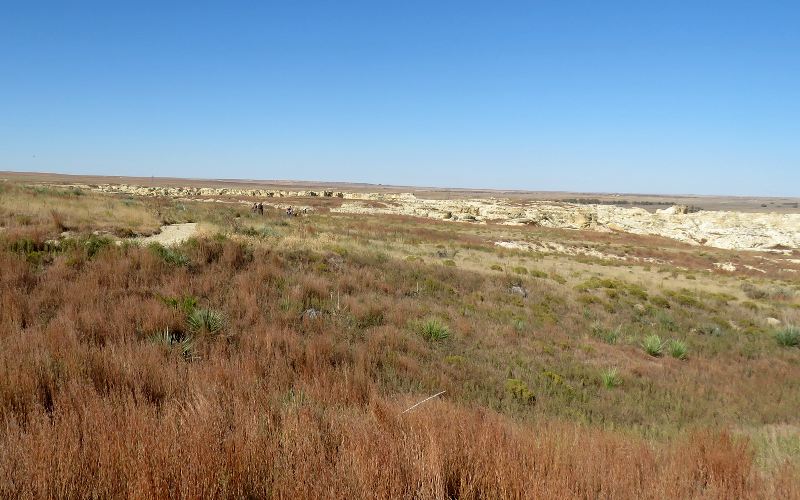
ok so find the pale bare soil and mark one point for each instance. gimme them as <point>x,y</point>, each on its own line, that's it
<point>172,234</point>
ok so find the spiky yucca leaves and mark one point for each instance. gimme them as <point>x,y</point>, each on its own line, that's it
<point>678,349</point>
<point>434,330</point>
<point>653,345</point>
<point>611,378</point>
<point>184,344</point>
<point>205,321</point>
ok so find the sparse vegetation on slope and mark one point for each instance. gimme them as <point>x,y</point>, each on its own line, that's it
<point>279,365</point>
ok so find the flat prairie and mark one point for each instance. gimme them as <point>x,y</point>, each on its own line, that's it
<point>275,356</point>
<point>648,201</point>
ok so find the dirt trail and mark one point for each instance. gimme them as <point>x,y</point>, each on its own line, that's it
<point>172,234</point>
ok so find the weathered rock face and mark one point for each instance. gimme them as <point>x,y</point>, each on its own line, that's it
<point>195,191</point>
<point>674,210</point>
<point>731,230</point>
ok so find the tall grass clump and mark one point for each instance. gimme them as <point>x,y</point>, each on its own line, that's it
<point>58,219</point>
<point>610,378</point>
<point>653,345</point>
<point>677,349</point>
<point>434,330</point>
<point>788,336</point>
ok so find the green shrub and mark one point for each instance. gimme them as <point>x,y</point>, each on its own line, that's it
<point>519,391</point>
<point>34,252</point>
<point>433,330</point>
<point>496,267</point>
<point>449,263</point>
<point>554,377</point>
<point>788,336</point>
<point>169,255</point>
<point>773,292</point>
<point>606,335</point>
<point>711,330</point>
<point>520,270</point>
<point>659,301</point>
<point>610,378</point>
<point>666,322</point>
<point>677,349</point>
<point>205,320</point>
<point>684,298</point>
<point>185,303</point>
<point>613,284</point>
<point>261,233</point>
<point>653,345</point>
<point>538,274</point>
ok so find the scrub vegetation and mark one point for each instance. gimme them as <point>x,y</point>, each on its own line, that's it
<point>274,356</point>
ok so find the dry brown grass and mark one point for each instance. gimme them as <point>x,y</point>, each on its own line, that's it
<point>93,403</point>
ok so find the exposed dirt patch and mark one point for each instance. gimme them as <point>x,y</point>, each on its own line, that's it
<point>172,234</point>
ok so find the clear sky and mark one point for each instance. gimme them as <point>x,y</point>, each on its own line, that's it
<point>640,96</point>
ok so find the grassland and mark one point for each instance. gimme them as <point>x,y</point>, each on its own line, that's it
<point>273,357</point>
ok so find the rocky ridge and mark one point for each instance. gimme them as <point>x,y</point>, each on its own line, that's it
<point>729,230</point>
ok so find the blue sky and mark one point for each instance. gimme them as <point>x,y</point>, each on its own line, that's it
<point>656,97</point>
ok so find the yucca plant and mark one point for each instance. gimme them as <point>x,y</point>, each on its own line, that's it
<point>163,337</point>
<point>607,336</point>
<point>611,378</point>
<point>788,336</point>
<point>205,321</point>
<point>434,331</point>
<point>175,340</point>
<point>653,345</point>
<point>677,349</point>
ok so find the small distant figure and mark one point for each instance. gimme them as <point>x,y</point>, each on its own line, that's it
<point>289,211</point>
<point>260,208</point>
<point>254,208</point>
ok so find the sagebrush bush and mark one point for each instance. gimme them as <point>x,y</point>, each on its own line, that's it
<point>519,391</point>
<point>261,233</point>
<point>94,244</point>
<point>169,255</point>
<point>788,336</point>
